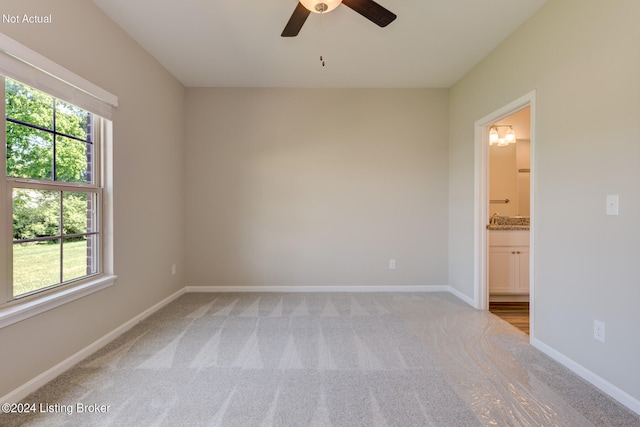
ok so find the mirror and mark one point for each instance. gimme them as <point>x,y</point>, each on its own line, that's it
<point>509,168</point>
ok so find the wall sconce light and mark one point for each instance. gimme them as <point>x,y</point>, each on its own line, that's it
<point>495,137</point>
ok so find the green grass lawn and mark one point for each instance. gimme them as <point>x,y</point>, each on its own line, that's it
<point>37,265</point>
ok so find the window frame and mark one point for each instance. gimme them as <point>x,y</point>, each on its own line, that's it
<point>12,309</point>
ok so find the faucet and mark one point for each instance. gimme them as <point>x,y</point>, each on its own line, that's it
<point>494,218</point>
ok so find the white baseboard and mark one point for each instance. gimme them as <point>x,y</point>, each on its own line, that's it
<point>599,382</point>
<point>416,288</point>
<point>51,373</point>
<point>461,296</point>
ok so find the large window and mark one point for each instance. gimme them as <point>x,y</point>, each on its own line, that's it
<point>56,231</point>
<point>52,170</point>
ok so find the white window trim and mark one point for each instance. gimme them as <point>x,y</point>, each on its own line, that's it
<point>49,300</point>
<point>28,66</point>
<point>18,310</point>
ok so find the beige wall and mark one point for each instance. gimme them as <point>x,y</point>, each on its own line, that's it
<point>582,58</point>
<point>148,183</point>
<point>317,187</point>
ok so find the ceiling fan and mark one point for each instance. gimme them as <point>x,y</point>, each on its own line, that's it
<point>367,8</point>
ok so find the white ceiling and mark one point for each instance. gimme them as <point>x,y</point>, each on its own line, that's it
<point>237,43</point>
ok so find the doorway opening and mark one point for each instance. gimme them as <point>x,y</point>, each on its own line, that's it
<point>504,220</point>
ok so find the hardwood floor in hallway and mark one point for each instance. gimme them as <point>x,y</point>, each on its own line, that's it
<point>516,313</point>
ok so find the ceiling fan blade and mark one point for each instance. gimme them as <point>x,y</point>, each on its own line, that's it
<point>298,17</point>
<point>372,11</point>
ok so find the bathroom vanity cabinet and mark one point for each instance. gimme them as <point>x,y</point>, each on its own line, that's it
<point>509,265</point>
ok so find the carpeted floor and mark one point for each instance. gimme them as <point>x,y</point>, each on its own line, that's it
<point>320,359</point>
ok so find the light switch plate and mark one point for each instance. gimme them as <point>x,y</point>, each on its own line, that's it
<point>612,204</point>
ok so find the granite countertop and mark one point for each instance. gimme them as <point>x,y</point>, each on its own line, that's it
<point>509,223</point>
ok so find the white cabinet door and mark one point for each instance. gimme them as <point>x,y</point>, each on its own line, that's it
<point>509,269</point>
<point>522,282</point>
<point>502,269</point>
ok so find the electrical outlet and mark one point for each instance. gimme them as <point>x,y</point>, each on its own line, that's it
<point>173,269</point>
<point>598,330</point>
<point>392,264</point>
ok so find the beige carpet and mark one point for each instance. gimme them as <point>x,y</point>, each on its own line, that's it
<point>338,359</point>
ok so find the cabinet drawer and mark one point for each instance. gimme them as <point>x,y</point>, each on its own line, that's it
<point>508,238</point>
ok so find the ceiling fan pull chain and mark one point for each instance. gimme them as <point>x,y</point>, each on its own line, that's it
<point>322,34</point>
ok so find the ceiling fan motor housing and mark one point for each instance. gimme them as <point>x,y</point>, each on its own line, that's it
<point>316,6</point>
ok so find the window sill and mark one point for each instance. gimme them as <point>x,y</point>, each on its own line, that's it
<point>19,312</point>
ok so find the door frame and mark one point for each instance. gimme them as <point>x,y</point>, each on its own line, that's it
<point>481,204</point>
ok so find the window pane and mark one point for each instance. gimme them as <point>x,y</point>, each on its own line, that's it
<point>78,213</point>
<point>36,213</point>
<point>75,258</point>
<point>36,265</point>
<point>72,160</point>
<point>28,105</point>
<point>71,120</point>
<point>50,140</point>
<point>29,152</point>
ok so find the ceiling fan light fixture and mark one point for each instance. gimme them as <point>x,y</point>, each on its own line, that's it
<point>320,6</point>
<point>367,8</point>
